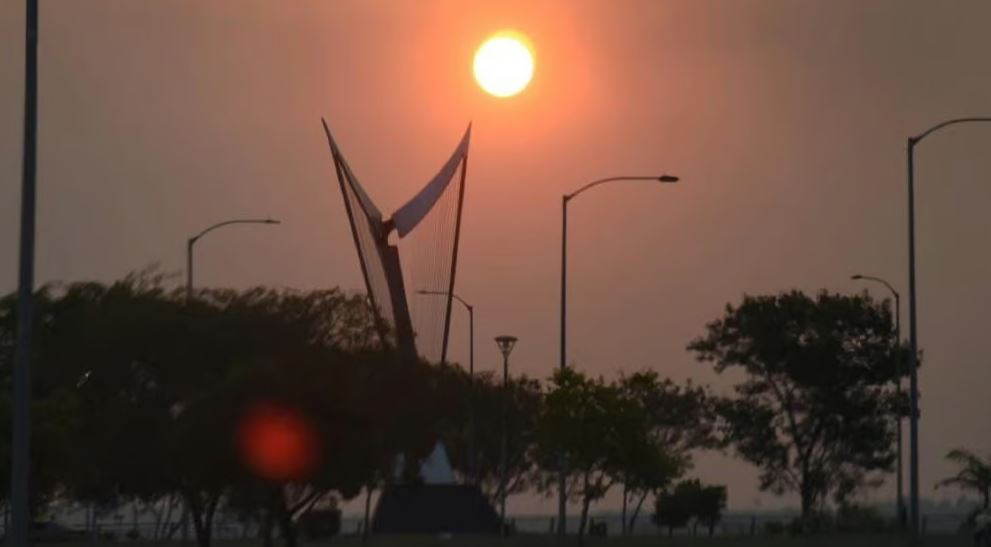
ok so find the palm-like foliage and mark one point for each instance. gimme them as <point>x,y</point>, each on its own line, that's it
<point>974,474</point>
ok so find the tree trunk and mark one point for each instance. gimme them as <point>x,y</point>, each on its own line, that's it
<point>807,493</point>
<point>265,528</point>
<point>185,521</point>
<point>134,517</point>
<point>806,505</point>
<point>161,516</point>
<point>623,527</point>
<point>195,512</point>
<point>202,532</point>
<point>174,528</point>
<point>90,522</point>
<point>670,530</point>
<point>211,511</point>
<point>586,501</point>
<point>807,498</point>
<point>202,514</point>
<point>365,532</point>
<point>636,512</point>
<point>287,528</point>
<point>282,515</point>
<point>170,529</point>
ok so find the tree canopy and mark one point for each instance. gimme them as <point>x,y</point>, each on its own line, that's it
<point>146,396</point>
<point>607,436</point>
<point>680,420</point>
<point>139,394</point>
<point>816,408</point>
<point>689,501</point>
<point>974,474</point>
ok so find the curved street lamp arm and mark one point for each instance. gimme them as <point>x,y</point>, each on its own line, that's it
<point>937,127</point>
<point>662,178</point>
<point>236,221</point>
<point>453,295</point>
<point>878,280</point>
<point>459,299</point>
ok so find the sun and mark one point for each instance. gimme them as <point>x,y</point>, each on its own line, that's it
<point>504,64</point>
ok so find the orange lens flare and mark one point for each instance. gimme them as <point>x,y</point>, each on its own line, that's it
<point>277,442</point>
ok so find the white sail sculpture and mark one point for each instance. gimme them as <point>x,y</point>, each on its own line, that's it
<point>425,256</point>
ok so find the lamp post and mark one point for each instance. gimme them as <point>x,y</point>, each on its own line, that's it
<point>506,344</point>
<point>471,377</point>
<point>562,509</point>
<point>900,500</point>
<point>20,442</point>
<point>913,359</point>
<point>192,241</point>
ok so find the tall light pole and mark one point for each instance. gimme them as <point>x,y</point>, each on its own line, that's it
<point>20,467</point>
<point>471,377</point>
<point>506,344</point>
<point>900,500</point>
<point>913,357</point>
<point>192,241</point>
<point>562,508</point>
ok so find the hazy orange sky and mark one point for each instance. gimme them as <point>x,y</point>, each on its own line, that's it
<point>786,121</point>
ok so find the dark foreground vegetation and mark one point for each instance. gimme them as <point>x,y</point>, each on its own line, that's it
<point>547,541</point>
<point>264,404</point>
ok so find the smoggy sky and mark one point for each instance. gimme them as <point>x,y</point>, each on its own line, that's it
<point>786,121</point>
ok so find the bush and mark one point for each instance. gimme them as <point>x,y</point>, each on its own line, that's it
<point>861,520</point>
<point>317,524</point>
<point>774,528</point>
<point>817,523</point>
<point>978,519</point>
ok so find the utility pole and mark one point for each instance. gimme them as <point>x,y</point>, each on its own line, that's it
<point>20,468</point>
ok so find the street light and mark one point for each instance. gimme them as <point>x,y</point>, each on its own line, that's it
<point>506,344</point>
<point>913,356</point>
<point>20,441</point>
<point>192,241</point>
<point>471,376</point>
<point>562,509</point>
<point>900,502</point>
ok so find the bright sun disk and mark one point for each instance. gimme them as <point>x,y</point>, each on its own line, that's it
<point>504,64</point>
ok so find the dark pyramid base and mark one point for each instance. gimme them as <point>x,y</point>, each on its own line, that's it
<point>434,509</point>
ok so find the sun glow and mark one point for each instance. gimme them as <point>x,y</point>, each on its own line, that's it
<point>504,64</point>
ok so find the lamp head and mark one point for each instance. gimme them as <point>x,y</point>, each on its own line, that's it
<point>506,344</point>
<point>272,221</point>
<point>856,277</point>
<point>667,178</point>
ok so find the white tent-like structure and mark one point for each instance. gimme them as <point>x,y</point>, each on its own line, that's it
<point>436,469</point>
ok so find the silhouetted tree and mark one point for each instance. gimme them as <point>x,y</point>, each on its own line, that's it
<point>525,399</point>
<point>973,474</point>
<point>690,501</point>
<point>672,509</point>
<point>710,506</point>
<point>138,393</point>
<point>681,418</point>
<point>816,404</point>
<point>605,436</point>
